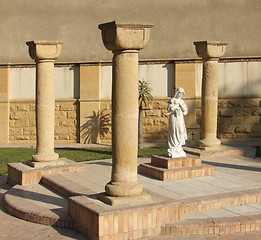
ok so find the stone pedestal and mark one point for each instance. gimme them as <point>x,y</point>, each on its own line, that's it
<point>168,169</point>
<point>125,41</point>
<point>44,53</point>
<point>210,52</point>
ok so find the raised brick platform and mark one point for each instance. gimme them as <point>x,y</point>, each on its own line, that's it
<point>164,214</point>
<point>166,169</point>
<point>23,174</point>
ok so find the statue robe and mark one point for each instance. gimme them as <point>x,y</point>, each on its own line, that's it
<point>177,134</point>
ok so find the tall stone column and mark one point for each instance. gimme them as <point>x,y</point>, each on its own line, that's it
<point>210,52</point>
<point>125,41</point>
<point>44,53</point>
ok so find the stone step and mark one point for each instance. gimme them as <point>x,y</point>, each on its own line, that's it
<point>38,204</point>
<point>171,163</point>
<point>218,214</point>
<point>65,186</point>
<point>22,173</point>
<point>221,200</point>
<point>219,151</point>
<point>208,226</point>
<point>177,173</point>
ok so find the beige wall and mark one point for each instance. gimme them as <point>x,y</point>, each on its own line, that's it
<point>83,106</point>
<point>177,25</point>
<point>22,82</point>
<point>4,104</point>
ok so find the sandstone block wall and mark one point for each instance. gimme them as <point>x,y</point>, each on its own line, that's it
<point>22,121</point>
<point>155,123</point>
<point>239,118</point>
<point>105,121</point>
<point>66,121</point>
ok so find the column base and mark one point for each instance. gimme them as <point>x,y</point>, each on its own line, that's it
<point>45,164</point>
<point>116,189</point>
<point>119,201</point>
<point>209,143</point>
<point>45,157</point>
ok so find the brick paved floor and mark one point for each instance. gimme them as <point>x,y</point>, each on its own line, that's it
<point>14,228</point>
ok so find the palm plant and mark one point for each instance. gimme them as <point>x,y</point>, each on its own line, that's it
<point>145,98</point>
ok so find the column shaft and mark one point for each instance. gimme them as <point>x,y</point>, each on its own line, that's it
<point>125,116</point>
<point>125,41</point>
<point>209,102</point>
<point>210,52</point>
<point>45,111</point>
<point>124,125</point>
<point>44,53</point>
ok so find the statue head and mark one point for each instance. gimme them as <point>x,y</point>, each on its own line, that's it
<point>179,92</point>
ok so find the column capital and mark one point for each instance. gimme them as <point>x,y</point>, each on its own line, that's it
<point>210,49</point>
<point>125,36</point>
<point>44,50</point>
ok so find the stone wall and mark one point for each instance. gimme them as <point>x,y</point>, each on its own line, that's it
<point>105,121</point>
<point>155,123</point>
<point>239,118</point>
<point>22,121</point>
<point>66,121</point>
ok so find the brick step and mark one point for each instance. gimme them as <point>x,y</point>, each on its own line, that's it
<point>21,173</point>
<point>38,204</point>
<point>221,200</point>
<point>191,221</point>
<point>63,185</point>
<point>172,163</point>
<point>208,226</point>
<point>177,173</point>
<point>222,150</point>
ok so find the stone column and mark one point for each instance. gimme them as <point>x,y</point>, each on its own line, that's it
<point>44,53</point>
<point>210,52</point>
<point>125,41</point>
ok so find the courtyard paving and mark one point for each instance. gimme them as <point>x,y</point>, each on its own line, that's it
<point>232,174</point>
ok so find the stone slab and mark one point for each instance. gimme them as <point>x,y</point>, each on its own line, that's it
<point>175,174</point>
<point>215,151</point>
<point>174,163</point>
<point>38,204</point>
<point>65,186</point>
<point>21,173</point>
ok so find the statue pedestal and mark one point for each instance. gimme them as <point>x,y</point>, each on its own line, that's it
<point>167,169</point>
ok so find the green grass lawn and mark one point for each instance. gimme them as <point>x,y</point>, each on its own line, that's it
<point>8,155</point>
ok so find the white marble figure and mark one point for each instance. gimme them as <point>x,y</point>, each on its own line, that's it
<point>177,130</point>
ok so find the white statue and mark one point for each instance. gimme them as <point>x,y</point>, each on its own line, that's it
<point>177,129</point>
